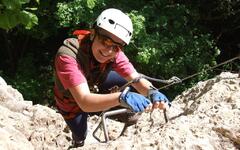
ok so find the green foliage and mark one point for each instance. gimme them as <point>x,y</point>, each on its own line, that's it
<point>170,38</point>
<point>73,13</point>
<point>167,39</point>
<point>170,43</point>
<point>48,24</point>
<point>138,22</point>
<point>12,14</point>
<point>34,83</point>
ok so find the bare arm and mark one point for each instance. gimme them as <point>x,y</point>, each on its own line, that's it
<point>142,86</point>
<point>90,102</point>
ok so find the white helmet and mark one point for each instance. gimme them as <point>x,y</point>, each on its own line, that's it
<point>117,23</point>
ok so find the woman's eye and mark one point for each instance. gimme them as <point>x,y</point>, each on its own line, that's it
<point>108,42</point>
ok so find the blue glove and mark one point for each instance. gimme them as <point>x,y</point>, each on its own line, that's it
<point>133,101</point>
<point>155,96</point>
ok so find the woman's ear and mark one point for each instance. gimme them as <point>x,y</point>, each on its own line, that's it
<point>92,34</point>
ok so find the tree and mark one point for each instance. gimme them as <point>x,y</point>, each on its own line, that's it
<point>12,13</point>
<point>167,40</point>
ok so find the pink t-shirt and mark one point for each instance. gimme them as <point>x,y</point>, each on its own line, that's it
<point>71,74</point>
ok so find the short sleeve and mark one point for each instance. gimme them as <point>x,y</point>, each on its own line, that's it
<point>122,65</point>
<point>69,71</point>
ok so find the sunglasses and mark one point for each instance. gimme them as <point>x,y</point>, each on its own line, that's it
<point>109,43</point>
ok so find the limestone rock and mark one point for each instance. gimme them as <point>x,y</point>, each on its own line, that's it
<point>205,116</point>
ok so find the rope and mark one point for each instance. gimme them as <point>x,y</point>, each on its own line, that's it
<point>211,68</point>
<point>172,81</point>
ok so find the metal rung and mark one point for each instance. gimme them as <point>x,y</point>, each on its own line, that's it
<point>103,123</point>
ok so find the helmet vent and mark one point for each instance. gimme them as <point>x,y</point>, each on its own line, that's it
<point>117,23</point>
<point>111,21</point>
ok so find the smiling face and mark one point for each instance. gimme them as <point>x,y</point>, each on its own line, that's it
<point>105,45</point>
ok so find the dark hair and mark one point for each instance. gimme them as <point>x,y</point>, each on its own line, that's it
<point>94,26</point>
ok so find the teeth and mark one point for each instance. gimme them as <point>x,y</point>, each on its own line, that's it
<point>103,54</point>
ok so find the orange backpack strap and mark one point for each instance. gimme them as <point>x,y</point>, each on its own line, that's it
<point>81,33</point>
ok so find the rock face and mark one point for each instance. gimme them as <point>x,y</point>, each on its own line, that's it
<point>203,117</point>
<point>27,126</point>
